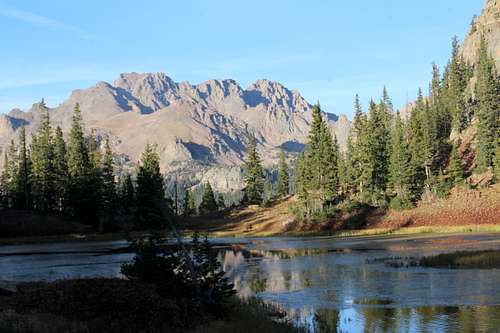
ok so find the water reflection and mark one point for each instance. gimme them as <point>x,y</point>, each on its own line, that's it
<point>328,291</point>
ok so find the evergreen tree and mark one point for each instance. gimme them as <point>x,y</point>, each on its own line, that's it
<point>379,138</point>
<point>10,177</point>
<point>456,83</point>
<point>302,178</point>
<point>221,202</point>
<point>455,170</point>
<point>60,170</point>
<point>488,113</point>
<point>42,165</point>
<point>150,202</point>
<point>189,206</point>
<point>108,193</point>
<point>81,202</point>
<point>126,193</point>
<point>23,178</point>
<point>283,176</point>
<point>254,175</point>
<point>399,165</point>
<point>208,204</point>
<point>360,166</point>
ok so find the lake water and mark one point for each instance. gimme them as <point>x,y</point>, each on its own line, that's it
<point>324,284</point>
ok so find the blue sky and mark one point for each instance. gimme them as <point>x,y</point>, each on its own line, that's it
<point>328,50</point>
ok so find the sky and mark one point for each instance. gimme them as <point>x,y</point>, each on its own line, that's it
<point>327,50</point>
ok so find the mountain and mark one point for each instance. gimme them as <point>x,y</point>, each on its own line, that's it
<point>201,130</point>
<point>488,25</point>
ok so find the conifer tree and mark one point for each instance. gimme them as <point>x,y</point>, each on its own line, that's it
<point>488,113</point>
<point>126,192</point>
<point>108,192</point>
<point>151,208</point>
<point>455,170</point>
<point>208,204</point>
<point>42,165</point>
<point>283,176</point>
<point>189,206</point>
<point>81,203</point>
<point>23,185</point>
<point>60,170</point>
<point>456,83</point>
<point>399,165</point>
<point>11,176</point>
<point>254,175</point>
<point>221,202</point>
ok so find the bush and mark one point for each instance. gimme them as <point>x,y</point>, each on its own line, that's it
<point>400,203</point>
<point>172,273</point>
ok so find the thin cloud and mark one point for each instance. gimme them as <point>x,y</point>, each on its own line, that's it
<point>41,21</point>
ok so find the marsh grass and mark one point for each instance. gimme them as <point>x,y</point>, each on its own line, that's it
<point>464,259</point>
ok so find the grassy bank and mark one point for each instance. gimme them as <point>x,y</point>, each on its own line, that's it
<point>464,259</point>
<point>116,305</point>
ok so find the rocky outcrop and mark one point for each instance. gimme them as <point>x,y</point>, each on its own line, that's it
<point>200,130</point>
<point>488,25</point>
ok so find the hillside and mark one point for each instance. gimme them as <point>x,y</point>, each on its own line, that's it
<point>464,210</point>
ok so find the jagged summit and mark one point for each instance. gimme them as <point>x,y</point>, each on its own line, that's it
<point>197,127</point>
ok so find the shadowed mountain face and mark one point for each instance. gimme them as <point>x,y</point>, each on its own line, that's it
<point>195,127</point>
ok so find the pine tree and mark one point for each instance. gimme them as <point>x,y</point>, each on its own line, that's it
<point>4,183</point>
<point>221,202</point>
<point>108,193</point>
<point>399,166</point>
<point>360,165</point>
<point>60,170</point>
<point>254,175</point>
<point>42,165</point>
<point>455,170</point>
<point>456,83</point>
<point>10,176</point>
<point>23,185</point>
<point>283,176</point>
<point>126,193</point>
<point>488,113</point>
<point>302,179</point>
<point>150,202</point>
<point>81,190</point>
<point>189,206</point>
<point>208,204</point>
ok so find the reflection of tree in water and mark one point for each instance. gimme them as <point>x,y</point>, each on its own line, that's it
<point>326,320</point>
<point>258,282</point>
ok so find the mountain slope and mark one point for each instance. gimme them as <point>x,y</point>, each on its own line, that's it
<point>196,127</point>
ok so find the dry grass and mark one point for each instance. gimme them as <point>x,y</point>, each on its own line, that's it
<point>465,210</point>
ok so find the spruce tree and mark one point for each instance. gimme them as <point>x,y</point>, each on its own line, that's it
<point>221,202</point>
<point>254,175</point>
<point>81,203</point>
<point>208,204</point>
<point>456,83</point>
<point>60,170</point>
<point>283,176</point>
<point>108,192</point>
<point>399,166</point>
<point>11,176</point>
<point>189,206</point>
<point>23,178</point>
<point>455,170</point>
<point>151,207</point>
<point>126,193</point>
<point>488,113</point>
<point>42,165</point>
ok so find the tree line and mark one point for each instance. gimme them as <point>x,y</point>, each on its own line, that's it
<point>393,160</point>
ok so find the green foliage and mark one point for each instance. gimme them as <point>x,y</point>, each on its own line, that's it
<point>488,112</point>
<point>189,206</point>
<point>126,193</point>
<point>173,277</point>
<point>221,202</point>
<point>254,175</point>
<point>152,209</point>
<point>42,179</point>
<point>109,197</point>
<point>455,170</point>
<point>23,197</point>
<point>317,179</point>
<point>60,170</point>
<point>283,176</point>
<point>208,204</point>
